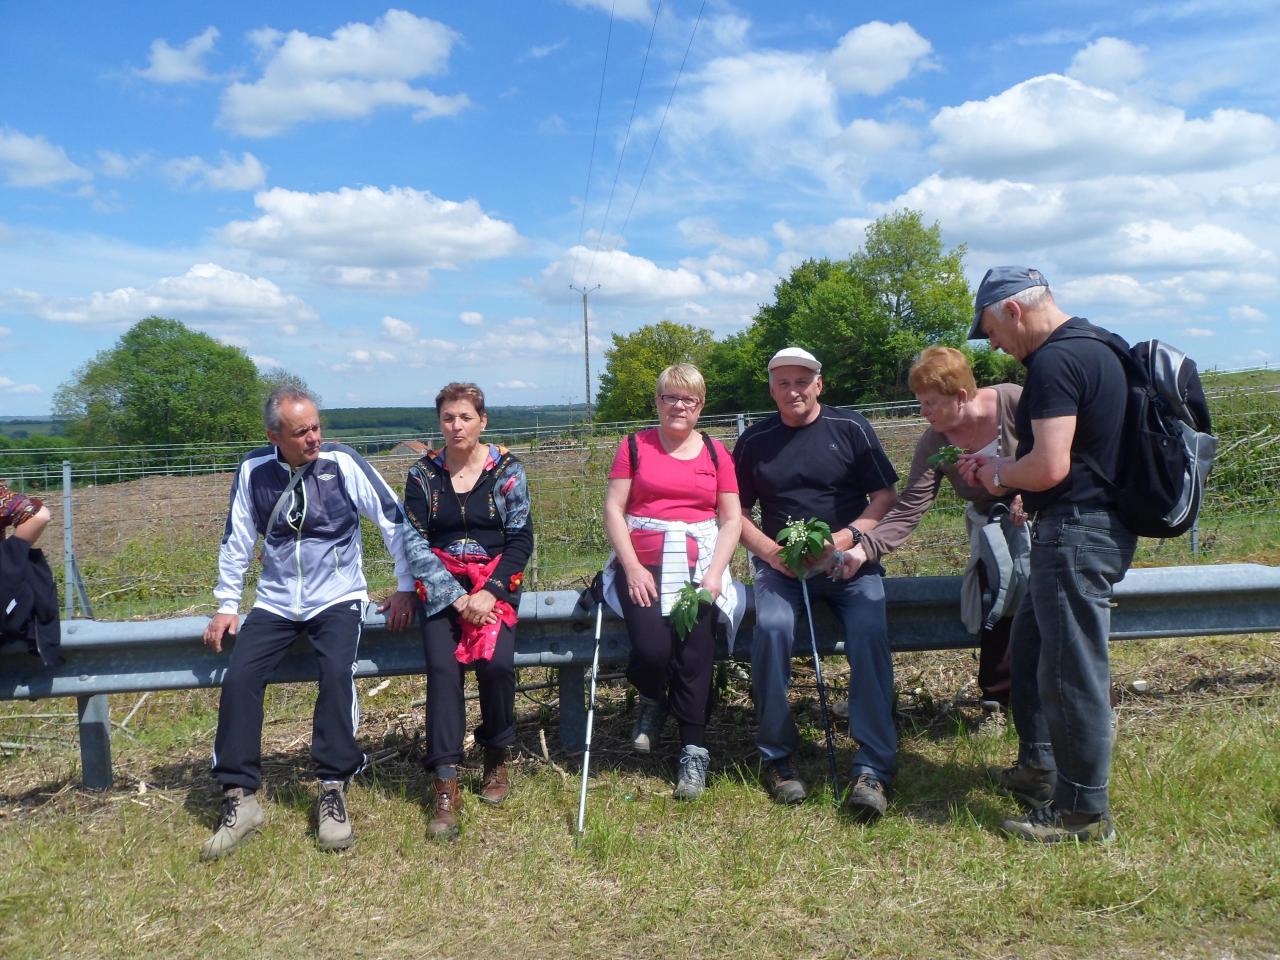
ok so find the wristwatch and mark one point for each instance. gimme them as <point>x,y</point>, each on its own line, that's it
<point>857,534</point>
<point>995,477</point>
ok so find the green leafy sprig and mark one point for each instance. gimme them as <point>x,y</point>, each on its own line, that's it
<point>803,540</point>
<point>685,612</point>
<point>948,455</point>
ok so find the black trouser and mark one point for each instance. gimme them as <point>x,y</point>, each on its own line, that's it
<point>664,667</point>
<point>994,660</point>
<point>446,708</point>
<point>261,644</point>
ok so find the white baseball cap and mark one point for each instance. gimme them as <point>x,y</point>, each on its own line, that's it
<point>795,357</point>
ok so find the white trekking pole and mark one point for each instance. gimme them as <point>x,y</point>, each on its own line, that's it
<point>597,590</point>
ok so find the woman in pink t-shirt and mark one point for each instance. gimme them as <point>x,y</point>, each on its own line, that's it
<point>672,515</point>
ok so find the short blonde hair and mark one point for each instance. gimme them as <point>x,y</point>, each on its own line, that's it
<point>681,376</point>
<point>943,370</point>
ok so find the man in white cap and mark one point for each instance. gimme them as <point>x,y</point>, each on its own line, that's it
<point>812,461</point>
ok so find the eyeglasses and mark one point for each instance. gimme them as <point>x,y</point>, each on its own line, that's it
<point>673,400</point>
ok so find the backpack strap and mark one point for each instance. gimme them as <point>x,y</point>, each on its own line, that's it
<point>711,449</point>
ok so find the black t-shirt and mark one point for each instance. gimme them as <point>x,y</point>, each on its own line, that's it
<point>1080,377</point>
<point>823,470</point>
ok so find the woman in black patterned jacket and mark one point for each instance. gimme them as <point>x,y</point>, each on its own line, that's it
<point>468,537</point>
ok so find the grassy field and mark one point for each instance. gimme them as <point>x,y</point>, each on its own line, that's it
<point>1195,871</point>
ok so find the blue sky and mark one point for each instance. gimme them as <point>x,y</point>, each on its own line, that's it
<point>382,199</point>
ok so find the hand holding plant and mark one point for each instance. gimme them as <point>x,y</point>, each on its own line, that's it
<point>803,540</point>
<point>687,607</point>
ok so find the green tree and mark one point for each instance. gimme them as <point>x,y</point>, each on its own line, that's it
<point>163,383</point>
<point>865,317</point>
<point>634,361</point>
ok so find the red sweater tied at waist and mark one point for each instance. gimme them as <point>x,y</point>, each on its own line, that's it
<point>478,641</point>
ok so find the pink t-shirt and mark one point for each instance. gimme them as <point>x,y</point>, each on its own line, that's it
<point>665,488</point>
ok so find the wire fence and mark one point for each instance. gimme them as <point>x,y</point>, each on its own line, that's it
<point>136,530</point>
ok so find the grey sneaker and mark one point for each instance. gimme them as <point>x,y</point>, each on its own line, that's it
<point>239,818</point>
<point>866,798</point>
<point>1030,787</point>
<point>650,715</point>
<point>1047,824</point>
<point>782,783</point>
<point>333,827</point>
<point>693,773</point>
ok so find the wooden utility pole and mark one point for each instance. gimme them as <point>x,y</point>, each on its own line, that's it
<point>586,341</point>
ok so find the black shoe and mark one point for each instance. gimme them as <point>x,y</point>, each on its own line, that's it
<point>866,799</point>
<point>1047,824</point>
<point>782,783</point>
<point>1030,787</point>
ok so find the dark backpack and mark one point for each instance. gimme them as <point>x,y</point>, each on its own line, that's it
<point>1168,448</point>
<point>29,600</point>
<point>634,449</point>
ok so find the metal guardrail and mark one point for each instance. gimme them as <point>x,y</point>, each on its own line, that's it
<point>556,630</point>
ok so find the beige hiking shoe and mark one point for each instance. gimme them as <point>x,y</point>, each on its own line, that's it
<point>239,818</point>
<point>333,827</point>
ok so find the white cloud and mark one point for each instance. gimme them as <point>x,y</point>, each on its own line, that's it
<point>120,167</point>
<point>1157,243</point>
<point>470,318</point>
<point>537,52</point>
<point>10,386</point>
<point>621,275</point>
<point>704,232</point>
<point>619,9</point>
<point>1054,126</point>
<point>875,56</point>
<point>263,362</point>
<point>5,331</point>
<point>1113,289</point>
<point>206,295</point>
<point>517,385</point>
<point>183,64</point>
<point>34,161</point>
<point>371,237</point>
<point>360,69</point>
<point>247,173</point>
<point>1197,332</point>
<point>1246,314</point>
<point>396,329</point>
<point>1109,63</point>
<point>837,240</point>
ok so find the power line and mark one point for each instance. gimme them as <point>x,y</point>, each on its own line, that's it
<point>604,223</point>
<point>657,136</point>
<point>586,193</point>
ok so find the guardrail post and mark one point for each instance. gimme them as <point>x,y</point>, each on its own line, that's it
<point>95,740</point>
<point>573,712</point>
<point>68,546</point>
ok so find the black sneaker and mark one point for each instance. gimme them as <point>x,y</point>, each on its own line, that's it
<point>782,783</point>
<point>1047,824</point>
<point>1030,787</point>
<point>866,798</point>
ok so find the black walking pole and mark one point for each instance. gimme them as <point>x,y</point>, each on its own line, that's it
<point>822,691</point>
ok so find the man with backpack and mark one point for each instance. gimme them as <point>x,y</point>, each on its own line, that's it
<point>1070,440</point>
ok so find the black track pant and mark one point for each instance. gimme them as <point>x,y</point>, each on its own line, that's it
<point>662,666</point>
<point>261,644</point>
<point>446,708</point>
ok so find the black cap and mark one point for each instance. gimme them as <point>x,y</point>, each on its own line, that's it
<point>1000,283</point>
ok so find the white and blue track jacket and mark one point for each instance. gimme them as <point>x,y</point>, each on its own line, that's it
<point>311,557</point>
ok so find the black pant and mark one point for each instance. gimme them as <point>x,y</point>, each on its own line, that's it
<point>446,708</point>
<point>261,644</point>
<point>993,662</point>
<point>662,666</point>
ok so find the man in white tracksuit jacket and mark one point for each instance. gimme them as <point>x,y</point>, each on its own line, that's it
<point>304,498</point>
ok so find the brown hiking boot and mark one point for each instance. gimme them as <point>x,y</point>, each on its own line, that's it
<point>496,785</point>
<point>443,825</point>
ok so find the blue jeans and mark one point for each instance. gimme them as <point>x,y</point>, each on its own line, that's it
<point>859,606</point>
<point>1060,692</point>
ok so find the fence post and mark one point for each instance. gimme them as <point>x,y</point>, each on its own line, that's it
<point>1195,539</point>
<point>68,546</point>
<point>742,424</point>
<point>95,740</point>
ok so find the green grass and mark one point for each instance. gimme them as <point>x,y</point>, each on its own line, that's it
<point>1195,871</point>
